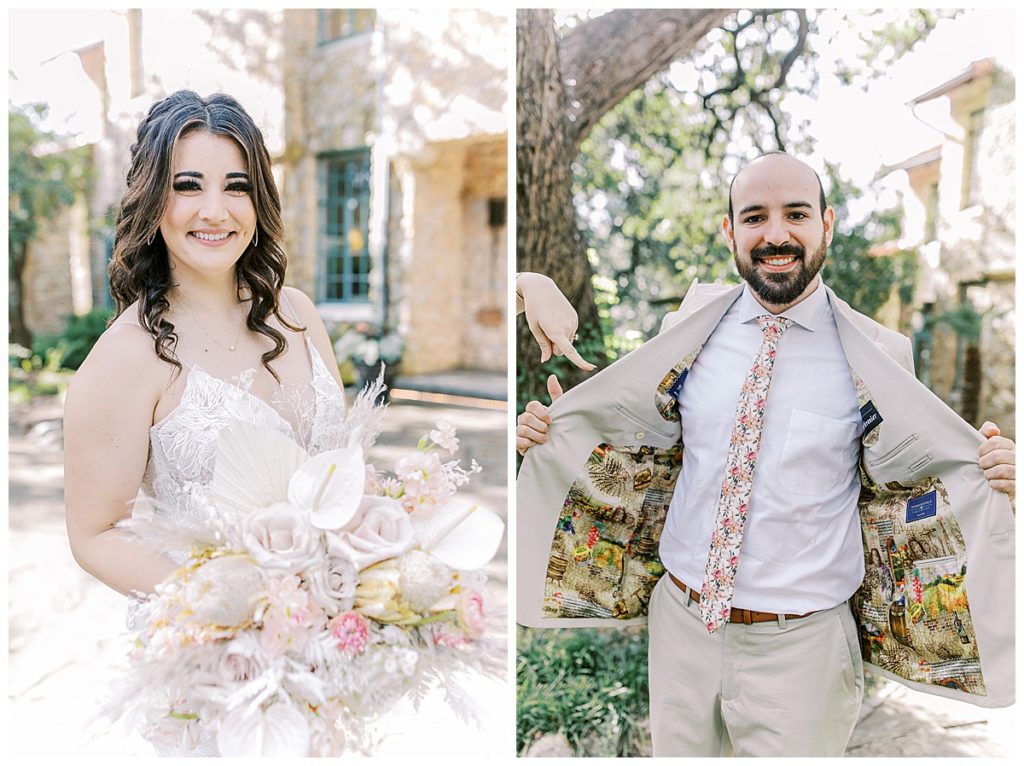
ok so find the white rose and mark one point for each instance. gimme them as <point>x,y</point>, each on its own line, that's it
<point>281,538</point>
<point>380,530</point>
<point>333,584</point>
<point>242,660</point>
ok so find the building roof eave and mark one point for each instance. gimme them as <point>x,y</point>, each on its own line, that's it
<point>927,157</point>
<point>975,70</point>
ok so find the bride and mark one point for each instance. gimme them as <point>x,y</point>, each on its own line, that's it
<point>205,332</point>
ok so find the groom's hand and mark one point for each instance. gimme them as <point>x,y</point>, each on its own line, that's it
<point>551,318</point>
<point>532,425</point>
<point>997,457</point>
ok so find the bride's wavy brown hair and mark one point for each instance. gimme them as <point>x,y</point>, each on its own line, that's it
<point>140,269</point>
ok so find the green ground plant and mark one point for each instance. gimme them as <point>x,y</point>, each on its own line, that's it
<point>75,342</point>
<point>588,684</point>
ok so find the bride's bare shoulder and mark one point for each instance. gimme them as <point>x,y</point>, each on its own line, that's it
<point>125,353</point>
<point>113,396</point>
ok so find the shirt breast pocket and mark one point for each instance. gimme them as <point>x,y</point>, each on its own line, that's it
<point>816,453</point>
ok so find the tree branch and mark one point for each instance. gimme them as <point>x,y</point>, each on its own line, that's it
<point>760,97</point>
<point>795,52</point>
<point>603,59</point>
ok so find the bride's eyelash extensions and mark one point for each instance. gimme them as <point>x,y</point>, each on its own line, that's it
<point>189,183</point>
<point>186,185</point>
<point>238,182</point>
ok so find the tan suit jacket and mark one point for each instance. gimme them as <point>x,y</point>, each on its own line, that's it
<point>936,609</point>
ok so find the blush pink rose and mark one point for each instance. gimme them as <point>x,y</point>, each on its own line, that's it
<point>471,613</point>
<point>380,530</point>
<point>280,537</point>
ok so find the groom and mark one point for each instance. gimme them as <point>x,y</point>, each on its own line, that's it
<point>809,450</point>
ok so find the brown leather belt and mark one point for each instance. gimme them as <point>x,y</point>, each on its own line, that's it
<point>746,616</point>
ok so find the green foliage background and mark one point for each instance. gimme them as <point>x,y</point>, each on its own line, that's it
<point>652,207</point>
<point>590,684</point>
<point>43,178</point>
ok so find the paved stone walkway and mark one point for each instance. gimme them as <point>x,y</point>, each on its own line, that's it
<point>65,628</point>
<point>485,384</point>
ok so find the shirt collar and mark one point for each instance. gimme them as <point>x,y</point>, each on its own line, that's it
<point>808,313</point>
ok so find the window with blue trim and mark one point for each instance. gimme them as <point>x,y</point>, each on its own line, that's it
<point>344,273</point>
<point>338,23</point>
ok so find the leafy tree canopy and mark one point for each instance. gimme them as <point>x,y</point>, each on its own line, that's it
<point>651,179</point>
<point>42,177</point>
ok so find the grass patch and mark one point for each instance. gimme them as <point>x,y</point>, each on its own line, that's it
<point>589,684</point>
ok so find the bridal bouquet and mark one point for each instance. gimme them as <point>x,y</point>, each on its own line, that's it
<point>317,592</point>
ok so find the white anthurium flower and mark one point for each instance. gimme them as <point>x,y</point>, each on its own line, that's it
<point>253,468</point>
<point>330,487</point>
<point>462,536</point>
<point>280,730</point>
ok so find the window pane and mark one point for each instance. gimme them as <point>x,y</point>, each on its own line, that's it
<point>346,264</point>
<point>363,19</point>
<point>330,24</point>
<point>336,23</point>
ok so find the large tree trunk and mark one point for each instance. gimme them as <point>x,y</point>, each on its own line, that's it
<point>562,89</point>
<point>970,392</point>
<point>19,332</point>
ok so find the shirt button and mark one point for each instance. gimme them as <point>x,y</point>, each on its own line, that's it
<point>640,434</point>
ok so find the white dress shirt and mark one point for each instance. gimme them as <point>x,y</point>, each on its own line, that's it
<point>802,547</point>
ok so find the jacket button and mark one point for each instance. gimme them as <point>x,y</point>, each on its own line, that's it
<point>640,434</point>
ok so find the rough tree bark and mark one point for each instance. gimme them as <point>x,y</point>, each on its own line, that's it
<point>19,332</point>
<point>563,87</point>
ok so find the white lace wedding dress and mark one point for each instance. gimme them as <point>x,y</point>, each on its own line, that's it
<point>183,446</point>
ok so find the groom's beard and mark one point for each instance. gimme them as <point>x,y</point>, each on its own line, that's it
<point>780,288</point>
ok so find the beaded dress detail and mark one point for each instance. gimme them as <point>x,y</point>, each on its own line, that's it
<point>183,446</point>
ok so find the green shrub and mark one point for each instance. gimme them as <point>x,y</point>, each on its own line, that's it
<point>589,684</point>
<point>70,348</point>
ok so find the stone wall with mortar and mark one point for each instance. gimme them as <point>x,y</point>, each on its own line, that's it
<point>426,93</point>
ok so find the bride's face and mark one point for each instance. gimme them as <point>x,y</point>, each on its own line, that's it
<point>209,220</point>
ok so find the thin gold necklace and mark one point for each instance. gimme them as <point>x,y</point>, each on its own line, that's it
<point>206,332</point>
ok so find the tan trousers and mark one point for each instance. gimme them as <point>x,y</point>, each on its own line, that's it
<point>753,690</point>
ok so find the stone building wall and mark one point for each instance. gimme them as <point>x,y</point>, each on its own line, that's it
<point>977,251</point>
<point>330,105</point>
<point>448,265</point>
<point>48,296</point>
<point>428,261</point>
<point>486,242</point>
<point>426,93</point>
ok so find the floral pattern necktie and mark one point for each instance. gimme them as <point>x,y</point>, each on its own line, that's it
<point>723,556</point>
